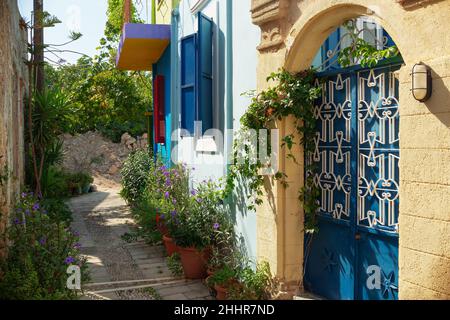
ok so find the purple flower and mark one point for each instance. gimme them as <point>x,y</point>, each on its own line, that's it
<point>16,221</point>
<point>173,213</point>
<point>43,241</point>
<point>193,192</point>
<point>23,195</point>
<point>27,212</point>
<point>199,200</point>
<point>69,260</point>
<point>168,182</point>
<point>36,206</point>
<point>163,216</point>
<point>167,174</point>
<point>174,201</point>
<point>216,226</point>
<point>167,194</point>
<point>77,246</point>
<point>76,233</point>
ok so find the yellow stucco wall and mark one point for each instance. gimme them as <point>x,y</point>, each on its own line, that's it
<point>292,32</point>
<point>164,11</point>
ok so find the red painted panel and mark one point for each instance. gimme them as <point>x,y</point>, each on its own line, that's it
<point>159,113</point>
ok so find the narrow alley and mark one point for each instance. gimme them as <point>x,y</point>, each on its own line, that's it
<point>120,270</point>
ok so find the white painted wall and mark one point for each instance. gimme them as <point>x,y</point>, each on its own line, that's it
<point>245,38</point>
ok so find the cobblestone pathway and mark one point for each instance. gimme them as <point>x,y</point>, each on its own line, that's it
<point>121,270</point>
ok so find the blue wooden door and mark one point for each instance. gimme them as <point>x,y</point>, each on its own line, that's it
<point>355,253</point>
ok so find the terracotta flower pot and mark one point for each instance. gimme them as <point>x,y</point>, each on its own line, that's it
<point>193,262</point>
<point>221,292</point>
<point>170,245</point>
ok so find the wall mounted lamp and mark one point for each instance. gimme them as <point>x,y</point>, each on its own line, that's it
<point>422,84</point>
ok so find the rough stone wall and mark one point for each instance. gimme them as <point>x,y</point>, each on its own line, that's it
<point>292,32</point>
<point>13,86</point>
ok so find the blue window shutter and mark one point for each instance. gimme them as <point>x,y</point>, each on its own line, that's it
<point>188,82</point>
<point>205,72</point>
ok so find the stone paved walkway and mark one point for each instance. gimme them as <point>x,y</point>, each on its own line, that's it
<point>121,270</point>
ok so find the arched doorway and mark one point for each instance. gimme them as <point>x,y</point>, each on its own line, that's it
<point>355,253</point>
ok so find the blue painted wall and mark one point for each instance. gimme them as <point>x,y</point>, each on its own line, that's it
<point>163,67</point>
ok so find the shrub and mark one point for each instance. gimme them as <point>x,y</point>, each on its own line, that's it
<point>223,277</point>
<point>40,252</point>
<point>253,284</point>
<point>77,181</point>
<point>135,172</point>
<point>56,184</point>
<point>58,210</point>
<point>204,221</point>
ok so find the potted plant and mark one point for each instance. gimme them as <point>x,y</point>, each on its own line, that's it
<point>222,280</point>
<point>194,252</point>
<point>254,284</point>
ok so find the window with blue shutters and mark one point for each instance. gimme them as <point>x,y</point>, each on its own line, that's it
<point>197,77</point>
<point>205,72</point>
<point>188,82</point>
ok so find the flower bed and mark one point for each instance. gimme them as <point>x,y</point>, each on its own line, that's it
<point>196,226</point>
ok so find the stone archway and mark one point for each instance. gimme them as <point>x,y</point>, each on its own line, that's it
<point>292,32</point>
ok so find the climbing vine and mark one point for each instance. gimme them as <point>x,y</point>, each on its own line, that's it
<point>293,95</point>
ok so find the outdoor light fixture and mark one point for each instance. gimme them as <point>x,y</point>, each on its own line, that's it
<point>421,82</point>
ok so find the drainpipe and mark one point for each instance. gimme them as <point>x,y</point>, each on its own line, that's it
<point>229,68</point>
<point>175,76</point>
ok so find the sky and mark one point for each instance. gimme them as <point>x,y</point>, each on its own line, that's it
<point>85,16</point>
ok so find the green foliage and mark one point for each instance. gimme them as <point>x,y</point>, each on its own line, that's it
<point>174,264</point>
<point>103,98</point>
<point>292,96</point>
<point>253,284</point>
<point>41,251</point>
<point>362,52</point>
<point>115,19</point>
<point>57,210</point>
<point>200,219</point>
<point>223,277</point>
<point>135,175</point>
<point>50,113</point>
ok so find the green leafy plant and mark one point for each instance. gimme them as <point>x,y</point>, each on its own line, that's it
<point>360,51</point>
<point>56,183</point>
<point>40,252</point>
<point>224,277</point>
<point>135,175</point>
<point>293,96</point>
<point>174,264</point>
<point>57,210</point>
<point>258,284</point>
